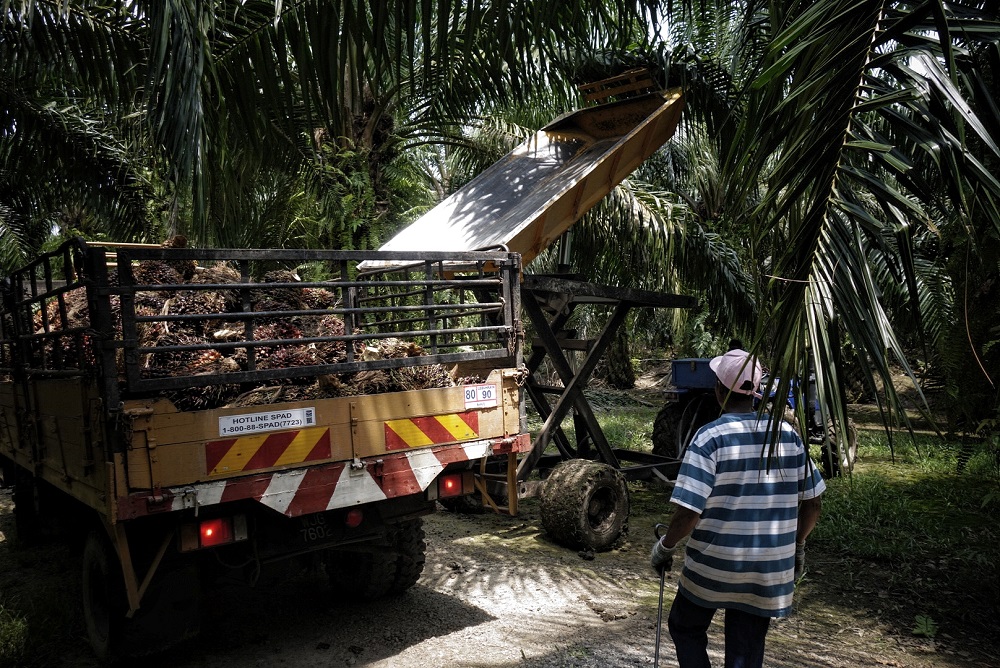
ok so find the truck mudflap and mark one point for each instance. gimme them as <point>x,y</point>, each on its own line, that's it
<point>323,487</point>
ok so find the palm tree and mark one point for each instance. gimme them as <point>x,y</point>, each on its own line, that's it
<point>67,155</point>
<point>305,91</point>
<point>818,132</point>
<point>300,79</point>
<point>852,147</point>
<point>858,132</point>
<point>832,156</point>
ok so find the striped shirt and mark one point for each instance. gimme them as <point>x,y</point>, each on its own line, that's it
<point>741,553</point>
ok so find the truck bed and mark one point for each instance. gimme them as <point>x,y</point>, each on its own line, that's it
<point>138,409</point>
<point>305,457</point>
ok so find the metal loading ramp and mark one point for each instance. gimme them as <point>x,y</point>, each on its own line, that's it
<point>528,199</point>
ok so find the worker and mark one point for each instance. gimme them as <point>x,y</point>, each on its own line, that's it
<point>748,497</point>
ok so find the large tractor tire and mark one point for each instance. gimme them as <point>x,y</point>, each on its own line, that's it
<point>676,423</point>
<point>585,505</point>
<point>383,570</point>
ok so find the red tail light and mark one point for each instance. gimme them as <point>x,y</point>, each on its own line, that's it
<point>450,485</point>
<point>212,532</point>
<point>215,532</point>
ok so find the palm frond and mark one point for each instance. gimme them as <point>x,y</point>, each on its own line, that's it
<point>824,124</point>
<point>76,161</point>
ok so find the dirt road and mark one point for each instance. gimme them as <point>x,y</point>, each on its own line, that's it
<point>495,592</point>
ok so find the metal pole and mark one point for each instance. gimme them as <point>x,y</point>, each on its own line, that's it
<point>659,618</point>
<point>659,607</point>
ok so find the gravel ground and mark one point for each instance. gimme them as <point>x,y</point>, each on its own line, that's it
<point>494,592</point>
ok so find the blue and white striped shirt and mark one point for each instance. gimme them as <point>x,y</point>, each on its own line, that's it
<point>741,553</point>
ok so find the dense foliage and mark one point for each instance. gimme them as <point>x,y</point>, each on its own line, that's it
<point>830,195</point>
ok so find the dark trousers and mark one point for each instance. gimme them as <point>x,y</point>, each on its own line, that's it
<point>688,623</point>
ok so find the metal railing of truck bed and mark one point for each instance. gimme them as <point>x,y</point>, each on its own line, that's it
<point>83,310</point>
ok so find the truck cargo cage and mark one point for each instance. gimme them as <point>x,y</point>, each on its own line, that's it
<point>84,310</point>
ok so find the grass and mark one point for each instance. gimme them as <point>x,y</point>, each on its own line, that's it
<point>39,600</point>
<point>897,498</point>
<point>628,427</point>
<point>627,422</point>
<point>13,637</point>
<point>922,524</point>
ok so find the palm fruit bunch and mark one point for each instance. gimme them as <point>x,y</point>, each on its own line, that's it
<point>167,361</point>
<point>331,351</point>
<point>318,298</point>
<point>194,302</point>
<point>191,347</point>
<point>413,377</point>
<point>64,352</point>
<point>156,272</point>
<point>279,299</point>
<point>282,332</point>
<point>220,274</point>
<point>398,379</point>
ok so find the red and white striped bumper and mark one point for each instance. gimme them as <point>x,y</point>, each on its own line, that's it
<point>320,487</point>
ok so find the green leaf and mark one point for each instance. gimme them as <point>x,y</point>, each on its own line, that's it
<point>924,626</point>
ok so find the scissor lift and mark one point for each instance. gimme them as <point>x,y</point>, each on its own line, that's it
<point>549,302</point>
<point>581,481</point>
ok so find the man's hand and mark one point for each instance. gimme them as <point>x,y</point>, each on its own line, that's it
<point>800,559</point>
<point>662,557</point>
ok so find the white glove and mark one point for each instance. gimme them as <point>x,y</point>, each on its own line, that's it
<point>662,557</point>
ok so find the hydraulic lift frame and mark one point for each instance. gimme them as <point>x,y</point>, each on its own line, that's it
<point>549,302</point>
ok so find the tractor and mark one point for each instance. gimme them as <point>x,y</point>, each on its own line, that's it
<point>691,404</point>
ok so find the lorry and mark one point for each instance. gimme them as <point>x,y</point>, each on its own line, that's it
<point>190,413</point>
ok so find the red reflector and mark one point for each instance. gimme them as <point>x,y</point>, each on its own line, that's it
<point>450,485</point>
<point>216,532</point>
<point>354,517</point>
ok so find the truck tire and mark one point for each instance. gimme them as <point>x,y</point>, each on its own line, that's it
<point>103,597</point>
<point>408,538</point>
<point>385,569</point>
<point>170,612</point>
<point>364,575</point>
<point>585,505</point>
<point>676,423</point>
